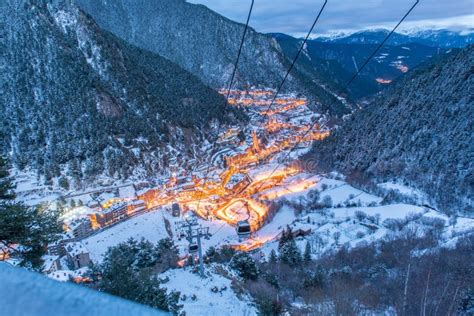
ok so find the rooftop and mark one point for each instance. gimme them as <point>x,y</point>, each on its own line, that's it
<point>75,248</point>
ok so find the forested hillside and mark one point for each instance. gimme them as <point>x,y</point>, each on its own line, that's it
<point>420,132</point>
<point>206,44</point>
<point>75,95</point>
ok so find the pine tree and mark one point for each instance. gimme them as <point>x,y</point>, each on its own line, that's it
<point>25,231</point>
<point>307,253</point>
<point>283,239</point>
<point>286,235</point>
<point>245,266</point>
<point>272,257</point>
<point>466,305</point>
<point>6,185</point>
<point>211,254</point>
<point>129,270</point>
<point>337,236</point>
<point>63,183</point>
<point>289,253</point>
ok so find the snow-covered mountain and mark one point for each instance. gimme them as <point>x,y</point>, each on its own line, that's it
<point>78,99</point>
<point>206,44</point>
<point>339,61</point>
<point>434,38</point>
<point>419,131</point>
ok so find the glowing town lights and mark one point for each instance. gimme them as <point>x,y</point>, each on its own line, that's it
<point>383,81</point>
<point>252,243</point>
<point>243,209</point>
<point>295,186</point>
<point>112,201</point>
<point>251,174</point>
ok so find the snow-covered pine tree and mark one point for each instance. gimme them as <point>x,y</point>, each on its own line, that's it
<point>289,253</point>
<point>244,264</point>
<point>307,252</point>
<point>272,258</point>
<point>286,235</point>
<point>129,270</point>
<point>25,231</point>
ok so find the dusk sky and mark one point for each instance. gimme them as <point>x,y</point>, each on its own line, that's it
<point>295,16</point>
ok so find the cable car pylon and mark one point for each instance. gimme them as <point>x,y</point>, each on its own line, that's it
<point>194,232</point>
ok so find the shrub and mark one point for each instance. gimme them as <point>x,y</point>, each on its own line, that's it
<point>327,201</point>
<point>360,215</point>
<point>266,297</point>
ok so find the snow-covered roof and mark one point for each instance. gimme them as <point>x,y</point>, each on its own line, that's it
<point>49,261</point>
<point>75,248</point>
<point>114,207</point>
<point>137,202</point>
<point>76,223</point>
<point>76,213</point>
<point>117,205</point>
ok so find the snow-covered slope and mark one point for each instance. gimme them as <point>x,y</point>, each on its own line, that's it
<point>88,103</point>
<point>210,296</point>
<point>419,132</point>
<point>28,293</point>
<point>206,44</point>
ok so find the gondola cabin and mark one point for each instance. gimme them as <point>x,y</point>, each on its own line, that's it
<point>193,248</point>
<point>243,229</point>
<point>175,210</point>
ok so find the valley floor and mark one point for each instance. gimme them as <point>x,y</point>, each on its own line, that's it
<point>253,180</point>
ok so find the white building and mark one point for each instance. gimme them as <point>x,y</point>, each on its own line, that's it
<point>78,255</point>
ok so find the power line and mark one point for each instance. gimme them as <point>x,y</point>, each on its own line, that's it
<point>281,84</point>
<point>297,55</point>
<point>381,44</point>
<point>194,231</point>
<point>240,50</point>
<point>346,85</point>
<point>227,99</point>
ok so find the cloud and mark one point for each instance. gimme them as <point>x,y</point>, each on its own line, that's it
<point>296,16</point>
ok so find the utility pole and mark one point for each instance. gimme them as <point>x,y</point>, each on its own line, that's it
<point>194,231</point>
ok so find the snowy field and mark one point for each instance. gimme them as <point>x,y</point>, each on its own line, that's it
<point>211,296</point>
<point>322,223</point>
<point>151,226</point>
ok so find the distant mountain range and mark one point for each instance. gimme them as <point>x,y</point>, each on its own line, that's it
<point>433,38</point>
<point>108,89</point>
<point>75,95</point>
<point>418,131</point>
<point>206,44</point>
<point>339,59</point>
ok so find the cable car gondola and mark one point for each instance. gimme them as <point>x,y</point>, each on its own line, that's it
<point>175,210</point>
<point>193,248</point>
<point>243,229</point>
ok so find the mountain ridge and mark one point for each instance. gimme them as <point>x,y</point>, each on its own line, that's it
<point>339,61</point>
<point>419,131</point>
<point>87,98</point>
<point>430,37</point>
<point>206,44</point>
